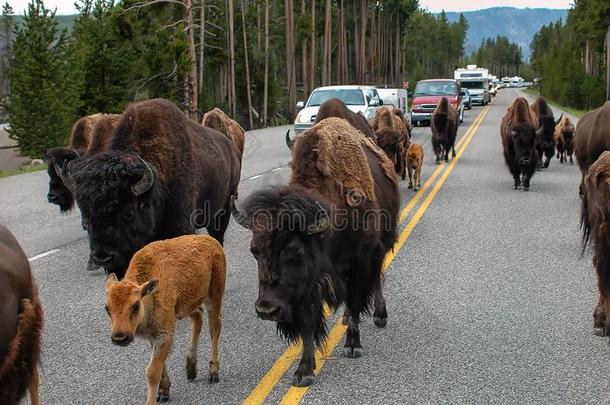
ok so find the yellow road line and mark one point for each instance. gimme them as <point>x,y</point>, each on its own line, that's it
<point>283,363</point>
<point>295,394</point>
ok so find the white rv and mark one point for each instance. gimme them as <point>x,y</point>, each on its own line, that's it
<point>476,80</point>
<point>395,97</point>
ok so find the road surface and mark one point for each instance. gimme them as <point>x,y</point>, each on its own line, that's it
<point>488,298</point>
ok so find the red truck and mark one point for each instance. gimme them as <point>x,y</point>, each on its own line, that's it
<point>428,93</point>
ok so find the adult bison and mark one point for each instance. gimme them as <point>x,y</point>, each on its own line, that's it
<point>592,138</point>
<point>595,221</point>
<point>337,108</point>
<point>545,142</point>
<point>564,140</point>
<point>162,176</point>
<point>322,239</point>
<point>519,135</point>
<point>21,321</point>
<point>90,134</point>
<point>444,125</point>
<point>392,133</point>
<point>217,119</point>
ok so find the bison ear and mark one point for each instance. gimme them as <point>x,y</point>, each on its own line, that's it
<point>111,280</point>
<point>149,287</point>
<point>145,182</point>
<point>240,217</point>
<point>322,223</point>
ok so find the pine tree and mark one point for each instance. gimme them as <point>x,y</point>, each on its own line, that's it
<point>43,99</point>
<point>6,54</point>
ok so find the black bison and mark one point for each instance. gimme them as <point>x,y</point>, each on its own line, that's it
<point>444,125</point>
<point>89,135</point>
<point>161,176</point>
<point>217,119</point>
<point>519,135</point>
<point>545,142</point>
<point>21,321</point>
<point>564,140</point>
<point>392,133</point>
<point>322,239</point>
<point>592,138</point>
<point>337,108</point>
<point>595,221</point>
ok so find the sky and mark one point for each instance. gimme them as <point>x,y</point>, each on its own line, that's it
<point>67,6</point>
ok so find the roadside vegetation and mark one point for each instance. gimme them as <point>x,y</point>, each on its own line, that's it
<point>570,57</point>
<point>22,170</point>
<point>571,110</point>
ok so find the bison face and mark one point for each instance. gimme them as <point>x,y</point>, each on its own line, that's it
<point>441,122</point>
<point>568,137</point>
<point>391,143</point>
<point>524,141</point>
<point>288,237</point>
<point>124,307</point>
<point>547,131</point>
<point>119,202</point>
<point>59,185</point>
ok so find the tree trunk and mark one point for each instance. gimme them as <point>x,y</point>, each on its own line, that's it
<point>244,30</point>
<point>312,58</point>
<point>232,93</point>
<point>326,63</point>
<point>304,75</point>
<point>362,43</point>
<point>266,78</point>
<point>191,85</point>
<point>608,64</point>
<point>290,58</point>
<point>201,43</point>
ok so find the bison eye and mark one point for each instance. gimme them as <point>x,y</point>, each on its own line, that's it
<point>135,308</point>
<point>129,215</point>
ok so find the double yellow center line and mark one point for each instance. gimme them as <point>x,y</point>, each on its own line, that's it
<point>285,361</point>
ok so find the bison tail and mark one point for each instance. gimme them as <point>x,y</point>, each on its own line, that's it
<point>585,225</point>
<point>23,353</point>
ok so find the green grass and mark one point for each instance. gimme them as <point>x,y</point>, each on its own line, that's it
<point>570,110</point>
<point>22,170</point>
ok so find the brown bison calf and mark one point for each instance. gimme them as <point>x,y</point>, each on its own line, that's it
<point>21,322</point>
<point>415,158</point>
<point>564,140</point>
<point>166,281</point>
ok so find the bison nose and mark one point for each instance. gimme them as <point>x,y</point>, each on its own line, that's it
<point>121,339</point>
<point>266,311</point>
<point>102,258</point>
<point>52,197</point>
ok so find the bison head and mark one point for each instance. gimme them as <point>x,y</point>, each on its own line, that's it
<point>289,235</point>
<point>441,122</point>
<point>125,308</point>
<point>568,136</point>
<point>119,201</point>
<point>524,141</point>
<point>546,131</point>
<point>391,143</point>
<point>60,187</point>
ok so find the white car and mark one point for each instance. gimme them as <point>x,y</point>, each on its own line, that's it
<point>359,99</point>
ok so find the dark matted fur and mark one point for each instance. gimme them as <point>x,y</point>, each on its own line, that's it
<point>518,132</point>
<point>444,125</point>
<point>546,137</point>
<point>392,144</point>
<point>196,171</point>
<point>336,108</point>
<point>89,135</point>
<point>20,332</point>
<point>592,138</point>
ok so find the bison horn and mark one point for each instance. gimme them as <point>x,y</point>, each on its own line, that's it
<point>63,172</point>
<point>240,217</point>
<point>289,142</point>
<point>321,224</point>
<point>145,182</point>
<point>559,119</point>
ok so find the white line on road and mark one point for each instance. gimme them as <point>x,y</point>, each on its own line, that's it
<point>45,254</point>
<point>255,177</point>
<point>276,169</point>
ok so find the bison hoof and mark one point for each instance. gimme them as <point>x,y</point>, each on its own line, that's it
<point>403,177</point>
<point>191,370</point>
<point>415,188</point>
<point>352,352</point>
<point>410,187</point>
<point>214,377</point>
<point>380,322</point>
<point>303,380</point>
<point>345,319</point>
<point>162,397</point>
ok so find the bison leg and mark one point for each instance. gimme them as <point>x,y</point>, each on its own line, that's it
<point>191,358</point>
<point>220,223</point>
<point>410,176</point>
<point>599,313</point>
<point>437,152</point>
<point>352,347</point>
<point>163,392</point>
<point>303,376</point>
<point>603,283</point>
<point>34,387</point>
<point>154,371</point>
<point>547,160</point>
<point>215,320</point>
<point>380,315</point>
<point>418,175</point>
<point>571,160</point>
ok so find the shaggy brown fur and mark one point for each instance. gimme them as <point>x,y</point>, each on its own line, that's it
<point>564,139</point>
<point>343,168</point>
<point>166,281</point>
<point>415,159</point>
<point>20,325</point>
<point>592,138</point>
<point>92,130</point>
<point>444,125</point>
<point>336,108</point>
<point>595,218</point>
<point>387,121</point>
<point>220,121</point>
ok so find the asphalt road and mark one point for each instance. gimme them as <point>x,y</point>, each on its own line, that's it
<point>488,299</point>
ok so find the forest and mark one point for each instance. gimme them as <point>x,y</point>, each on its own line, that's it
<point>571,57</point>
<point>253,58</point>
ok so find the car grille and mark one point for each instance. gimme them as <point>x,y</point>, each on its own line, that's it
<point>428,106</point>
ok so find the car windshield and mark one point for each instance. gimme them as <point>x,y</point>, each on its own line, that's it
<point>435,89</point>
<point>472,85</point>
<point>348,96</point>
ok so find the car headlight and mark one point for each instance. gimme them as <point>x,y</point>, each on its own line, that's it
<point>416,107</point>
<point>301,119</point>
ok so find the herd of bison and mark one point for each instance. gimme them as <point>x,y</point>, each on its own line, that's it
<point>147,179</point>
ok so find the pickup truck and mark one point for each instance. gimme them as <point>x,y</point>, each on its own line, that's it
<point>427,95</point>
